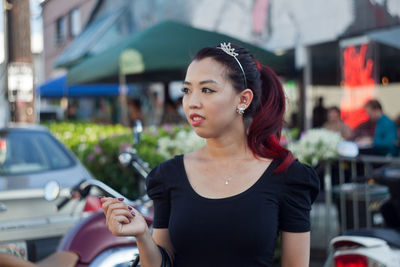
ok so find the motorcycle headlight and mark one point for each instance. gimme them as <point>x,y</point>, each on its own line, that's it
<point>125,158</point>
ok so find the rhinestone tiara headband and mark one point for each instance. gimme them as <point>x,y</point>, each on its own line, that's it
<point>226,47</point>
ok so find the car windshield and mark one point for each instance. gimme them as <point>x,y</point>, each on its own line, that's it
<point>31,151</point>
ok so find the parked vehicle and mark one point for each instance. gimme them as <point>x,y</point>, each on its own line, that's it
<point>30,157</point>
<point>377,247</point>
<point>51,112</point>
<point>89,243</point>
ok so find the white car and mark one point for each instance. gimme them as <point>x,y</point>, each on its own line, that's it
<point>30,158</point>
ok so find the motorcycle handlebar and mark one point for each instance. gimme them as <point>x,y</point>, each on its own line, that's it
<point>76,188</point>
<point>112,193</point>
<point>63,203</point>
<point>83,188</point>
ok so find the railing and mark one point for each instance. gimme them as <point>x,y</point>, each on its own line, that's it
<point>364,163</point>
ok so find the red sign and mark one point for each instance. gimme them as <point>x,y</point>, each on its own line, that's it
<point>358,81</point>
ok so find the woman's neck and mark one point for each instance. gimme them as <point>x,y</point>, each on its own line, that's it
<point>233,146</point>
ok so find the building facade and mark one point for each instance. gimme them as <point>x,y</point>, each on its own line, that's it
<point>63,21</point>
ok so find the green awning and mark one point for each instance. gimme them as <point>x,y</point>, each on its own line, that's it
<point>161,52</point>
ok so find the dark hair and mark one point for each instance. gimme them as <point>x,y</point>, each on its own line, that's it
<point>373,104</point>
<point>268,105</point>
<point>334,108</point>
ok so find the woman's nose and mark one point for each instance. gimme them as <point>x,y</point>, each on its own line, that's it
<point>194,101</point>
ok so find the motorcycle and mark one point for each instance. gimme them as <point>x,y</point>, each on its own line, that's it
<point>89,243</point>
<point>378,247</point>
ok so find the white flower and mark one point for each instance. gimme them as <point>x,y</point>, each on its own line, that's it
<point>183,142</point>
<point>316,145</point>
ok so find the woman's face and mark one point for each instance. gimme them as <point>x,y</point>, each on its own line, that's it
<point>333,115</point>
<point>209,100</point>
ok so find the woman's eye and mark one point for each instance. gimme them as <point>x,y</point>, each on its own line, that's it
<point>207,90</point>
<point>185,90</point>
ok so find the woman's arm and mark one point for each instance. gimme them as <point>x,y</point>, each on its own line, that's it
<point>161,237</point>
<point>295,249</point>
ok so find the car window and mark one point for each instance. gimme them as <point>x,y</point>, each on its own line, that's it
<point>31,151</point>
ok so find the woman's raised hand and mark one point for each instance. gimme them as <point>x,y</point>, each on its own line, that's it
<point>121,219</point>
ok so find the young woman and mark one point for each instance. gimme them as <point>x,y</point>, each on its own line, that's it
<point>224,205</point>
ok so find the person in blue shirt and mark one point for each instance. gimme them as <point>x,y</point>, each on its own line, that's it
<point>385,137</point>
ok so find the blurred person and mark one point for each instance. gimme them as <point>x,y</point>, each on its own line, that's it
<point>365,130</point>
<point>71,111</point>
<point>180,110</point>
<point>335,123</point>
<point>171,113</point>
<point>319,114</point>
<point>157,103</point>
<point>397,121</point>
<point>384,139</point>
<point>101,112</point>
<point>238,191</point>
<point>134,110</point>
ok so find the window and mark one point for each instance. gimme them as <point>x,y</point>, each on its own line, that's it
<point>30,152</point>
<point>75,26</point>
<point>61,30</point>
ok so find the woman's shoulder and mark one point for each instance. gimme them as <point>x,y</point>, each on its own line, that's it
<point>301,176</point>
<point>299,172</point>
<point>172,162</point>
<point>301,182</point>
<point>296,165</point>
<point>164,171</point>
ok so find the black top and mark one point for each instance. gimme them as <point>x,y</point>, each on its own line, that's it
<point>240,230</point>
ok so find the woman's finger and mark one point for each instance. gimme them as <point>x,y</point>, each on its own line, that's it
<point>121,219</point>
<point>116,224</point>
<point>106,204</point>
<point>122,212</point>
<point>115,206</point>
<point>106,201</point>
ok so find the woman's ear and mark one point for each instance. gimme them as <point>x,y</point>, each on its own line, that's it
<point>246,96</point>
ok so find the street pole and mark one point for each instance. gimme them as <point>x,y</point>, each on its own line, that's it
<point>303,64</point>
<point>4,108</point>
<point>20,68</point>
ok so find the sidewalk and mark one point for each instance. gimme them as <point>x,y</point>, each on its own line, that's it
<point>321,233</point>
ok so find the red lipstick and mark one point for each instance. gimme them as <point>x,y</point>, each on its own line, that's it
<point>196,119</point>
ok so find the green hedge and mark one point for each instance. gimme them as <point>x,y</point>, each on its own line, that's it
<point>98,146</point>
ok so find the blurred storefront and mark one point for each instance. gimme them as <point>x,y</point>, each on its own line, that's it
<point>344,51</point>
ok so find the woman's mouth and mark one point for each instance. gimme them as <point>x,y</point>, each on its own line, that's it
<point>196,119</point>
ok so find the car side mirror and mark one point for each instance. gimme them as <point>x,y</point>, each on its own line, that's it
<point>51,190</point>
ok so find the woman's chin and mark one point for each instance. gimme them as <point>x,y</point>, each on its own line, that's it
<point>202,133</point>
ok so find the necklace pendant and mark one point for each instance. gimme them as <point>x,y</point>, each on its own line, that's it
<point>227,182</point>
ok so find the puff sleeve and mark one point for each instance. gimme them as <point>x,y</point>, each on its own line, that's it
<point>157,190</point>
<point>300,189</point>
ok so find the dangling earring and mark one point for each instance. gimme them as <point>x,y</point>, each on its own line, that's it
<point>240,110</point>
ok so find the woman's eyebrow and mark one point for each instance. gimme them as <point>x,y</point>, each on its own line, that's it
<point>202,82</point>
<point>208,81</point>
